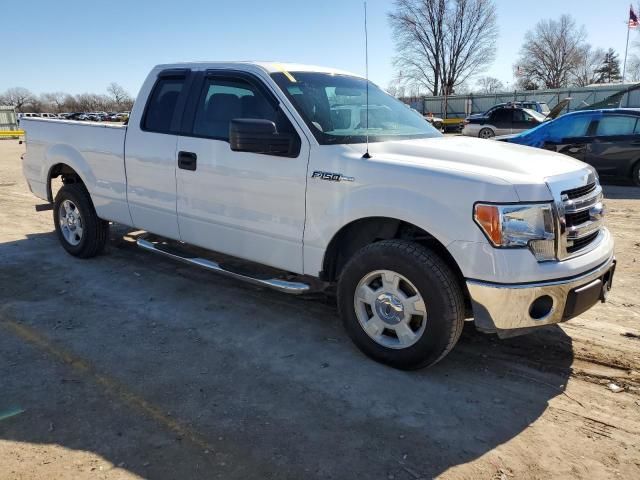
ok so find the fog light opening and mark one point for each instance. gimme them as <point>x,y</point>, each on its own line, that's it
<point>541,307</point>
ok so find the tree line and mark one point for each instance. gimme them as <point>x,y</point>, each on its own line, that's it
<point>117,99</point>
<point>444,46</point>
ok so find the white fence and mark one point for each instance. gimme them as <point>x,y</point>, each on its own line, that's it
<point>459,106</point>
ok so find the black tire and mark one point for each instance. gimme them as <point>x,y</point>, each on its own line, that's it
<point>436,283</point>
<point>488,133</point>
<point>635,174</point>
<point>95,231</point>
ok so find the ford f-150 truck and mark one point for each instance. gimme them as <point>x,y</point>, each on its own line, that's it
<point>327,180</point>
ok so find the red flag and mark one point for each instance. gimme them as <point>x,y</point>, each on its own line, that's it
<point>633,18</point>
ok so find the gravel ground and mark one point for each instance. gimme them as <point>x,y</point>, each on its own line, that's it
<point>132,366</point>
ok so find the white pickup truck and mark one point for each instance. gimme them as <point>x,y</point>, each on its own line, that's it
<point>306,170</point>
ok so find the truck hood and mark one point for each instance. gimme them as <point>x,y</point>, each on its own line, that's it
<point>527,169</point>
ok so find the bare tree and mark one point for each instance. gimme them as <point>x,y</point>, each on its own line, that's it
<point>70,104</point>
<point>418,30</point>
<point>470,42</point>
<point>53,101</point>
<point>551,52</point>
<point>586,70</point>
<point>18,97</point>
<point>489,85</point>
<point>633,69</point>
<point>441,43</point>
<point>118,94</point>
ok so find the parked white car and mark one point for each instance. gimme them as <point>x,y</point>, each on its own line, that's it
<point>417,230</point>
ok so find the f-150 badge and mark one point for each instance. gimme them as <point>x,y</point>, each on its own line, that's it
<point>332,177</point>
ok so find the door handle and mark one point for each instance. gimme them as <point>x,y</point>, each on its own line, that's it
<point>187,160</point>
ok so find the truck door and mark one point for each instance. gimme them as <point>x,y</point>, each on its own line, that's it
<point>150,154</point>
<point>243,204</point>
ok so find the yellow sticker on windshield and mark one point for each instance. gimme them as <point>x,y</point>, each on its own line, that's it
<point>280,67</point>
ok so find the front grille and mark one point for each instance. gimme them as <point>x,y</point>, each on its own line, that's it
<point>580,217</point>
<point>583,242</point>
<point>580,191</point>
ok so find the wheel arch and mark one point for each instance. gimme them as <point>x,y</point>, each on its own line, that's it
<point>634,164</point>
<point>66,161</point>
<point>364,231</point>
<point>68,174</point>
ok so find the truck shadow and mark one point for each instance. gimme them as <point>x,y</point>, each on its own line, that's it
<point>170,372</point>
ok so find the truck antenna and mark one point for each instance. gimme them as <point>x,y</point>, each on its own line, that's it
<point>366,63</point>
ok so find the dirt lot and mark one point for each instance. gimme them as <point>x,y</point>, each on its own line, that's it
<point>131,366</point>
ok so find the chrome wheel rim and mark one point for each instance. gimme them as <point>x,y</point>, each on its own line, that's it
<point>486,133</point>
<point>390,309</point>
<point>70,221</point>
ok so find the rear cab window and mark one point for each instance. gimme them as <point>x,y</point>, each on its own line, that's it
<point>162,107</point>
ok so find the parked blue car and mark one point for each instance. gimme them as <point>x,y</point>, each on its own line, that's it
<point>609,140</point>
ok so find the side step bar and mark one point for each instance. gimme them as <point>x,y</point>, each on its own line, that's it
<point>295,288</point>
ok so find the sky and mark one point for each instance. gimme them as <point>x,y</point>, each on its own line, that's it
<point>81,46</point>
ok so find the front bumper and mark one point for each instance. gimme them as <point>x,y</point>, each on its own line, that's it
<point>510,307</point>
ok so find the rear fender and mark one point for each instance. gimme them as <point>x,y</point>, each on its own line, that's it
<point>67,155</point>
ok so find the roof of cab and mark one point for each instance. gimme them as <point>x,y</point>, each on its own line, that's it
<point>269,67</point>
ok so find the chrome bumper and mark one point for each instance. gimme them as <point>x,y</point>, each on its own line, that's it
<point>499,307</point>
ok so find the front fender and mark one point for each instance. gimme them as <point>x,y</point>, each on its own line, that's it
<point>439,205</point>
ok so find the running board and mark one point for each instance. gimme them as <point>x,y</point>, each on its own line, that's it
<point>295,288</point>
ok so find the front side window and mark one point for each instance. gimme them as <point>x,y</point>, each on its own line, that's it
<point>162,105</point>
<point>334,107</point>
<point>225,99</point>
<point>522,116</point>
<point>502,115</point>
<point>610,125</point>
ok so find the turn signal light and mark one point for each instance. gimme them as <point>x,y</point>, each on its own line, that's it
<point>488,217</point>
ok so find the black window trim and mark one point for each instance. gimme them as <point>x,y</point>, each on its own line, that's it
<point>197,89</point>
<point>176,120</point>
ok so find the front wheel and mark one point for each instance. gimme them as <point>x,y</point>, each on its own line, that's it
<point>401,304</point>
<point>79,229</point>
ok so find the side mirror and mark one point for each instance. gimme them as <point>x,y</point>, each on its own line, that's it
<point>261,136</point>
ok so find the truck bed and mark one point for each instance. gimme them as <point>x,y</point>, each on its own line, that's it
<point>94,150</point>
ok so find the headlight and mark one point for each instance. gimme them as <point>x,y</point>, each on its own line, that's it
<point>522,225</point>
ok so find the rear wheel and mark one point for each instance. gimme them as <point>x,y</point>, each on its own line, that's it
<point>401,304</point>
<point>79,229</point>
<point>486,133</point>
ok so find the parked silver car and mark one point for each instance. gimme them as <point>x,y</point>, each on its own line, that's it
<point>502,121</point>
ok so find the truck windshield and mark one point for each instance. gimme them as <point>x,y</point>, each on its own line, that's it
<point>334,108</point>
